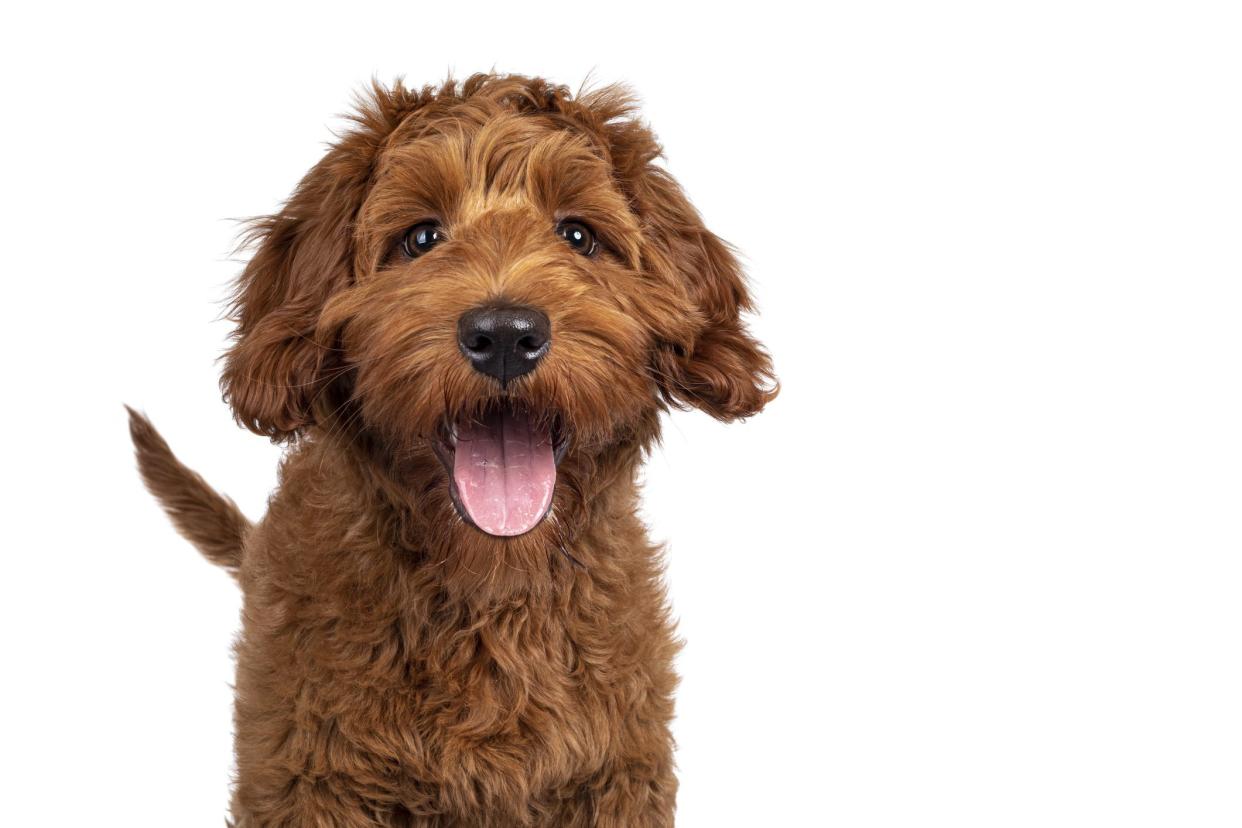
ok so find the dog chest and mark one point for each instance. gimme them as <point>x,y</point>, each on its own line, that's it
<point>513,706</point>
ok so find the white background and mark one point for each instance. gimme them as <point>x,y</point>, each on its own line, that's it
<point>977,566</point>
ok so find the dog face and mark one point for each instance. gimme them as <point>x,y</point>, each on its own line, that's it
<point>492,290</point>
<point>494,315</point>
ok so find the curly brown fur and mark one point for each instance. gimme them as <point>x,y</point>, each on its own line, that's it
<point>398,666</point>
<point>208,519</point>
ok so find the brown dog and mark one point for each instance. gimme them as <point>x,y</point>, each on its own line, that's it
<point>465,322</point>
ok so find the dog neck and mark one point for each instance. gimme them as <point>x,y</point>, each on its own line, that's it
<point>426,539</point>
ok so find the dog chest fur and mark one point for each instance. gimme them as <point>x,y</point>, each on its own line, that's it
<point>356,669</point>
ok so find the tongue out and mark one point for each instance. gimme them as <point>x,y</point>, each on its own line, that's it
<point>504,472</point>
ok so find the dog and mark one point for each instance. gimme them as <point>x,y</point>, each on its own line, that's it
<point>465,324</point>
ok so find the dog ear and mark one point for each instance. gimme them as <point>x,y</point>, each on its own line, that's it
<point>718,367</point>
<point>278,363</point>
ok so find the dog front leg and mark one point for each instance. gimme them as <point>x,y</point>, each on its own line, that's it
<point>300,803</point>
<point>635,795</point>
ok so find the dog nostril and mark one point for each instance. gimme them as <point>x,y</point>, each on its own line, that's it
<point>531,342</point>
<point>479,344</point>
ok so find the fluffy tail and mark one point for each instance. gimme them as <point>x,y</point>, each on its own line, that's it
<point>208,519</point>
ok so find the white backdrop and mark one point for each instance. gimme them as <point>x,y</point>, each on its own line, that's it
<point>977,566</point>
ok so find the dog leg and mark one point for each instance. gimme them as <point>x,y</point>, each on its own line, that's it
<point>633,795</point>
<point>292,776</point>
<point>300,803</point>
<point>635,805</point>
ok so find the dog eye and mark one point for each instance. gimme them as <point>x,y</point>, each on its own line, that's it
<point>420,238</point>
<point>578,235</point>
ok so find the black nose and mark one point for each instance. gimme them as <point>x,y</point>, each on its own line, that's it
<point>504,342</point>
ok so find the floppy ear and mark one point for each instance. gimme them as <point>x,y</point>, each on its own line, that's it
<point>719,367</point>
<point>278,363</point>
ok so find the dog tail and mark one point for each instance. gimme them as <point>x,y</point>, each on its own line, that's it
<point>206,518</point>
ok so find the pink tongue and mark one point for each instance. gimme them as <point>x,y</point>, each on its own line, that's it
<point>504,472</point>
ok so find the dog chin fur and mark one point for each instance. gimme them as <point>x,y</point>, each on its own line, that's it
<point>398,666</point>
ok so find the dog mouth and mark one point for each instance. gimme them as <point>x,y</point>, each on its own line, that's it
<point>501,465</point>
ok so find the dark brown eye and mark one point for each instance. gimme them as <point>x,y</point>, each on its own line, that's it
<point>578,235</point>
<point>421,237</point>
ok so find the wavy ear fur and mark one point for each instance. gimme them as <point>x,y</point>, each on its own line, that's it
<point>277,365</point>
<point>718,366</point>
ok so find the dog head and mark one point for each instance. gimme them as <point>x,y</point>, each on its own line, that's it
<point>495,289</point>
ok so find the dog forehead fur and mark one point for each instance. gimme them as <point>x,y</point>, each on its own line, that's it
<point>397,666</point>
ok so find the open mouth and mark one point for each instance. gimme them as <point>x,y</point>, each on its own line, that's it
<point>502,467</point>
